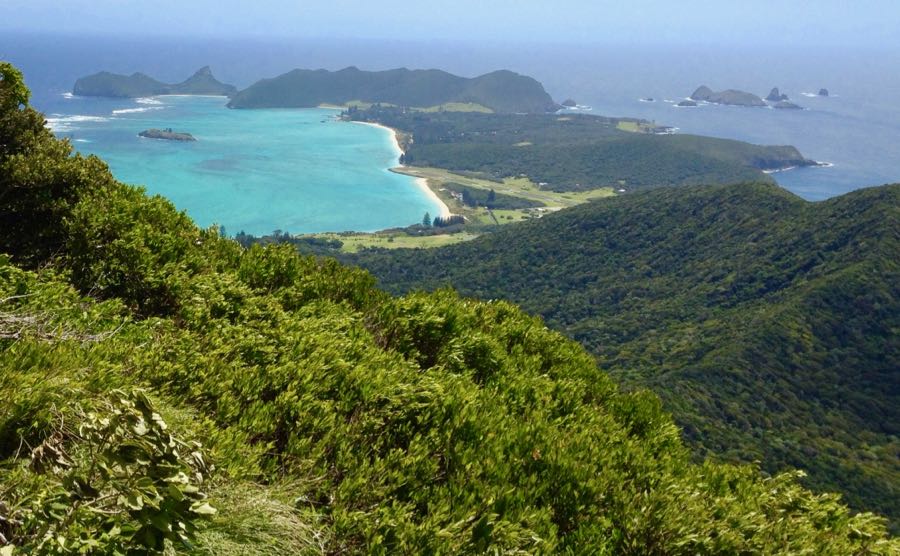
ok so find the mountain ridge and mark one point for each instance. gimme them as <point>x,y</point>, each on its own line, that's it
<point>501,91</point>
<point>106,84</point>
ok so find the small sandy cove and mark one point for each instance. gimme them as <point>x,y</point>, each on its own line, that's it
<point>422,183</point>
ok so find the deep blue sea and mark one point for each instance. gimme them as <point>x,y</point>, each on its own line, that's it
<point>300,171</point>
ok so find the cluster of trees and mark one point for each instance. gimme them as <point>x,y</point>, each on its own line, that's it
<point>332,416</point>
<point>447,221</point>
<point>766,323</point>
<point>574,152</point>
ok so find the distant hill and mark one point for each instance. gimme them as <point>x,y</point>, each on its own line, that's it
<point>500,91</point>
<point>105,84</point>
<point>767,324</point>
<point>731,96</point>
<point>573,152</point>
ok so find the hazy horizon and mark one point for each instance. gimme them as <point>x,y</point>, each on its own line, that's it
<point>868,23</point>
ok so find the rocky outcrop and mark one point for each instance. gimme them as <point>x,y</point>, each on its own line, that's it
<point>776,96</point>
<point>785,105</point>
<point>823,92</point>
<point>167,134</point>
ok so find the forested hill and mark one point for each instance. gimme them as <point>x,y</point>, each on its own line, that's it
<point>769,325</point>
<point>500,91</point>
<point>105,84</point>
<point>575,152</point>
<point>165,390</point>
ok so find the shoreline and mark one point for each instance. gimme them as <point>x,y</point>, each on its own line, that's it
<point>789,168</point>
<point>421,183</point>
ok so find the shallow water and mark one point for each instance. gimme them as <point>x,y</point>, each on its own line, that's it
<point>255,171</point>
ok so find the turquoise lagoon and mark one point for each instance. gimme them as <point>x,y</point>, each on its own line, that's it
<point>296,170</point>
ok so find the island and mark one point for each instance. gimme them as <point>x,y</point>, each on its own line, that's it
<point>425,90</point>
<point>731,97</point>
<point>785,105</point>
<point>776,96</point>
<point>823,92</point>
<point>166,134</point>
<point>105,84</point>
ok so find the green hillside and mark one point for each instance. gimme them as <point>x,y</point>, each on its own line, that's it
<point>767,324</point>
<point>105,84</point>
<point>500,91</point>
<point>164,388</point>
<point>575,152</point>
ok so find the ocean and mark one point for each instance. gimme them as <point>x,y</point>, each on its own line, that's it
<point>299,171</point>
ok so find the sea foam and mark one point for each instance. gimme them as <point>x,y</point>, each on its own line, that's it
<point>137,110</point>
<point>70,123</point>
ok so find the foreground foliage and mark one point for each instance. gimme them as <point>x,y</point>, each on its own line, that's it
<point>338,419</point>
<point>767,324</point>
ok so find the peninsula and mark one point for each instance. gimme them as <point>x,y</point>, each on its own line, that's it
<point>105,84</point>
<point>575,152</point>
<point>428,90</point>
<point>167,134</point>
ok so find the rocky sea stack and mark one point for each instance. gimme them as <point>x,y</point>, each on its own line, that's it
<point>776,96</point>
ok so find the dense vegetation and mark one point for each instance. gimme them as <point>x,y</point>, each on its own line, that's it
<point>105,84</point>
<point>575,152</point>
<point>500,91</point>
<point>333,418</point>
<point>769,325</point>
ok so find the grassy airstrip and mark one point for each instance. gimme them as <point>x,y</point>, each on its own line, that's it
<point>477,218</point>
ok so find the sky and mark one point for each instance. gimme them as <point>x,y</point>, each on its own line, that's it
<point>772,22</point>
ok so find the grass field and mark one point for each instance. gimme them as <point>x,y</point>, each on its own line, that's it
<point>446,107</point>
<point>632,127</point>
<point>392,240</point>
<point>516,187</point>
<point>457,107</point>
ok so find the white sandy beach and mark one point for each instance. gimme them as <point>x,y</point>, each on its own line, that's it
<point>422,183</point>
